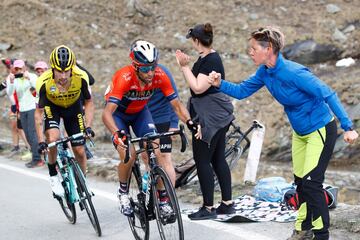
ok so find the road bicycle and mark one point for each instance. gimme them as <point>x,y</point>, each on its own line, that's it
<point>146,203</point>
<point>237,142</point>
<point>74,184</point>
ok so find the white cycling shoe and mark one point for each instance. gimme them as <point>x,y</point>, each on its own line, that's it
<point>56,186</point>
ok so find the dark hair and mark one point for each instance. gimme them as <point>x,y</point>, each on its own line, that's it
<point>269,35</point>
<point>202,32</point>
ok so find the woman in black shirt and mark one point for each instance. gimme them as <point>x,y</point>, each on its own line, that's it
<point>214,112</point>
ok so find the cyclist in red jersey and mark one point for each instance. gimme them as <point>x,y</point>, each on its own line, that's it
<point>130,90</point>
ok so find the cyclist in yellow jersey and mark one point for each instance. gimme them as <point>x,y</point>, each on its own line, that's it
<point>60,91</point>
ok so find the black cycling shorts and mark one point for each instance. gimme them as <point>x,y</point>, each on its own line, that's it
<point>72,116</point>
<point>165,143</point>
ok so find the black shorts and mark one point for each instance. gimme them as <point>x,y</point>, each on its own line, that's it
<point>72,116</point>
<point>165,143</point>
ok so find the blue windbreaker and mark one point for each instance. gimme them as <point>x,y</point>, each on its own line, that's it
<point>306,99</point>
<point>160,108</point>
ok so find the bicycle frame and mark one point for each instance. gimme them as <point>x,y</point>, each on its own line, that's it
<point>147,204</point>
<point>231,147</point>
<point>67,172</point>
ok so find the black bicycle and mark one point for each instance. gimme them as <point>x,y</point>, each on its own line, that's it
<point>146,202</point>
<point>237,142</point>
<point>74,184</point>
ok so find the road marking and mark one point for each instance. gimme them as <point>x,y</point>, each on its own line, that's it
<point>243,234</point>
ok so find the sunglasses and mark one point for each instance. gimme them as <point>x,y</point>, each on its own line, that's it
<point>147,68</point>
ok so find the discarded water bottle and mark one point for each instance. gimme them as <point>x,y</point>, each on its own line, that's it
<point>145,180</point>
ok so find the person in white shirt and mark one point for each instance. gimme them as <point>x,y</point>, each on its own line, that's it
<point>22,81</point>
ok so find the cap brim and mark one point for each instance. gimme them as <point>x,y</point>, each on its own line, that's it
<point>188,35</point>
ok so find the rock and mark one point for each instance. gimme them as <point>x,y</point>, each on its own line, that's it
<point>339,36</point>
<point>332,8</point>
<point>180,37</point>
<point>349,28</point>
<point>5,46</point>
<point>254,16</point>
<point>309,52</point>
<point>345,62</point>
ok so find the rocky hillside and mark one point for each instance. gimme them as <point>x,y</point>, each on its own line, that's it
<point>100,32</point>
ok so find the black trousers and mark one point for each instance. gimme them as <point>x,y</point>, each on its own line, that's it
<point>210,159</point>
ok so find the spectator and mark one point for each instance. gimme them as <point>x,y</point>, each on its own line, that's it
<point>214,111</point>
<point>21,82</point>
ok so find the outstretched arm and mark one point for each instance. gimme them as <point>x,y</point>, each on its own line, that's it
<point>239,91</point>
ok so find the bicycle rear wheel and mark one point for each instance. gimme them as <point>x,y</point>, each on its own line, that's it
<point>85,199</point>
<point>186,177</point>
<point>139,223</point>
<point>170,225</point>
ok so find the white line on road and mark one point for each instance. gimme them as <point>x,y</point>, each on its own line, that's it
<point>243,234</point>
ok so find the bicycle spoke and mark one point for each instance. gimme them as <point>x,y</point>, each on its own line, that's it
<point>170,225</point>
<point>85,199</point>
<point>139,223</point>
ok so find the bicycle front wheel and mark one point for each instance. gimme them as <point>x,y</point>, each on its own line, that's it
<point>85,199</point>
<point>169,223</point>
<point>139,223</point>
<point>67,207</point>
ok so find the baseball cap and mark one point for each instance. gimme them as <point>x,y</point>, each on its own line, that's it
<point>19,63</point>
<point>198,32</point>
<point>40,64</point>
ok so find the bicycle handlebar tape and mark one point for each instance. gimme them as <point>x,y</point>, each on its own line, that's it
<point>183,138</point>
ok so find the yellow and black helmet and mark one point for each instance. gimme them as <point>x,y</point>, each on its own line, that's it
<point>62,58</point>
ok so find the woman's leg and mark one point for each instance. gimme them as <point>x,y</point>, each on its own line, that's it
<point>202,156</point>
<point>220,165</point>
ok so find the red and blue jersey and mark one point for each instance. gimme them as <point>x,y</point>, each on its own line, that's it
<point>131,98</point>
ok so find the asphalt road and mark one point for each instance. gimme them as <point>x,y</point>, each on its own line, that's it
<point>28,211</point>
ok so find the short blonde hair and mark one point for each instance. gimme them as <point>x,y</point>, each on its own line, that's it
<point>269,35</point>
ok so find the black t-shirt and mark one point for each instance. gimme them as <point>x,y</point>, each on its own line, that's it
<point>205,65</point>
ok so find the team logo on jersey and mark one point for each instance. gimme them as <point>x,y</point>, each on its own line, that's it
<point>127,76</point>
<point>53,89</point>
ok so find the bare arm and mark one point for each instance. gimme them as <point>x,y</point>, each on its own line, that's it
<point>199,84</point>
<point>184,115</point>
<point>107,117</point>
<point>89,112</point>
<point>180,110</point>
<point>39,113</point>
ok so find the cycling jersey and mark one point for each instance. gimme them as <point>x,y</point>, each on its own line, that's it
<point>160,108</point>
<point>131,98</point>
<point>47,89</point>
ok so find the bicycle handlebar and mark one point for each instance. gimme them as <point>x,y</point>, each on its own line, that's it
<point>155,136</point>
<point>65,140</point>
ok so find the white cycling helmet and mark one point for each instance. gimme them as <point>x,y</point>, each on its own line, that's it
<point>144,53</point>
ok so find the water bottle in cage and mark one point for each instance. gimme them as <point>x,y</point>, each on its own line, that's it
<point>253,158</point>
<point>145,179</point>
